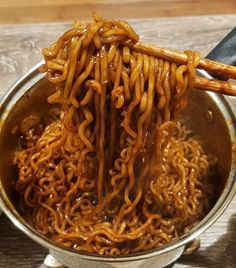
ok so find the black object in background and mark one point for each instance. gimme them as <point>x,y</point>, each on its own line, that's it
<point>225,51</point>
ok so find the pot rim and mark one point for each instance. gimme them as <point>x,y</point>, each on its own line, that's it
<point>223,103</point>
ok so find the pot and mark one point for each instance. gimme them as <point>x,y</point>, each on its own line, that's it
<point>207,114</point>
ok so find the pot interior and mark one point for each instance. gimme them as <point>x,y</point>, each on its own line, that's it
<point>202,116</point>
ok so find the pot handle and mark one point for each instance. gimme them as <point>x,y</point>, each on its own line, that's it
<point>225,52</point>
<point>51,262</point>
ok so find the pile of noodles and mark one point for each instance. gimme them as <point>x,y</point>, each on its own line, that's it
<point>112,172</point>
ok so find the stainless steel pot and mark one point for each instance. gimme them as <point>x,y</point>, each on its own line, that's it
<point>207,114</point>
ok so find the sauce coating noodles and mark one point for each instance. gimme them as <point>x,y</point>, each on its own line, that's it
<point>112,172</point>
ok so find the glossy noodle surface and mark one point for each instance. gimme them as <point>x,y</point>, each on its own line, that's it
<point>110,171</point>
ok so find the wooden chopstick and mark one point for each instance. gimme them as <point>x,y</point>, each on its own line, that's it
<point>221,69</point>
<point>217,86</point>
<point>181,58</point>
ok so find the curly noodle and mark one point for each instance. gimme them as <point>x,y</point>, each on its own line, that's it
<point>113,173</point>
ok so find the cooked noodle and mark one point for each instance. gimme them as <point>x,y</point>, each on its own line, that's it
<point>112,172</point>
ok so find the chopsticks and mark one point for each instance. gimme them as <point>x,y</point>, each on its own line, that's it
<point>221,69</point>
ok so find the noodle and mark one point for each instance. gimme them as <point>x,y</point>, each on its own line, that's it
<point>112,173</point>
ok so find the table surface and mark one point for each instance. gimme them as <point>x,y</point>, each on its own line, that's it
<point>20,49</point>
<point>28,11</point>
